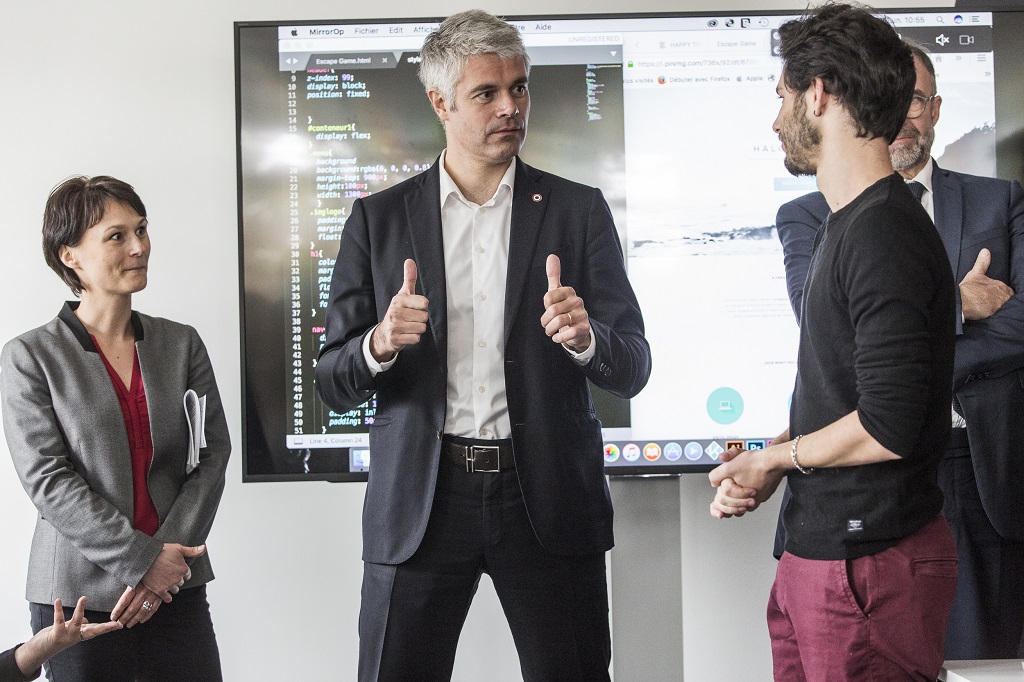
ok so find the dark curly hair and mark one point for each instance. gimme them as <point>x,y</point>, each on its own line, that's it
<point>74,206</point>
<point>861,61</point>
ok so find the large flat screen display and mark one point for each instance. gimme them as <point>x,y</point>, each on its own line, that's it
<point>669,115</point>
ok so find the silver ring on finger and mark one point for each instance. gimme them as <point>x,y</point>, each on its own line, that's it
<point>146,605</point>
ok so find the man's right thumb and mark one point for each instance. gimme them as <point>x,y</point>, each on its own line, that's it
<point>984,260</point>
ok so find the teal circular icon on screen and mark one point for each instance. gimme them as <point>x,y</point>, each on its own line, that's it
<point>725,405</point>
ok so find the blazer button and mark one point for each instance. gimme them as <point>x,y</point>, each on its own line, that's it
<point>439,435</point>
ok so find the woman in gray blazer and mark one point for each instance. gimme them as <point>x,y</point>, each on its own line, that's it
<point>94,419</point>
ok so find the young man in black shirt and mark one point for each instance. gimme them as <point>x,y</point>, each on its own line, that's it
<point>864,588</point>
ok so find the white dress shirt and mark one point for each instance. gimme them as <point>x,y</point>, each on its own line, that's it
<point>475,265</point>
<point>925,178</point>
<point>475,239</point>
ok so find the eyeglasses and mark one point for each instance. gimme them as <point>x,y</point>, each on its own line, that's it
<point>918,104</point>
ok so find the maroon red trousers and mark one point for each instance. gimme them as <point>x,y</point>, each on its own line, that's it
<point>880,617</point>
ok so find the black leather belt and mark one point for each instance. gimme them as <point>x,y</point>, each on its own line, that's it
<point>481,456</point>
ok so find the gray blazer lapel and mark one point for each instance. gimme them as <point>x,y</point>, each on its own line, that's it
<point>949,216</point>
<point>529,202</point>
<point>423,216</point>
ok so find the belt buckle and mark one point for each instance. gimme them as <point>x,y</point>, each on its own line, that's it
<point>487,465</point>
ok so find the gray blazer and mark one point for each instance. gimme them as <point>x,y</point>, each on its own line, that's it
<point>67,437</point>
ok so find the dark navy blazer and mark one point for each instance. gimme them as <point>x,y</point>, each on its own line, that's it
<point>556,436</point>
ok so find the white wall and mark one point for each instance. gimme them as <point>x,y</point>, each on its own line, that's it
<point>145,92</point>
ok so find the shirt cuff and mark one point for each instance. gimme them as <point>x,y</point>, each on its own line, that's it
<point>584,357</point>
<point>371,362</point>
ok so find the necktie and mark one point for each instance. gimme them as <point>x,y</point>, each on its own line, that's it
<point>917,189</point>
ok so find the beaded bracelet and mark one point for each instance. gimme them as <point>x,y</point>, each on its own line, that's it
<point>792,456</point>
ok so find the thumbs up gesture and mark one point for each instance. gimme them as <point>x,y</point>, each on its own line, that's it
<point>405,320</point>
<point>565,319</point>
<point>980,295</point>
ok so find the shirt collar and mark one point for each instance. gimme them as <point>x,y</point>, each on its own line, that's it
<point>925,176</point>
<point>67,316</point>
<point>449,188</point>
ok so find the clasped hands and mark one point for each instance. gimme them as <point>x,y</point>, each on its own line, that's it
<point>163,580</point>
<point>744,480</point>
<point>565,318</point>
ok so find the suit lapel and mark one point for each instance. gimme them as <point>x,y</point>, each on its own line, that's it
<point>529,203</point>
<point>423,217</point>
<point>949,215</point>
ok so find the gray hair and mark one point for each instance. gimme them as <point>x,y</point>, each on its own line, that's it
<point>461,36</point>
<point>921,52</point>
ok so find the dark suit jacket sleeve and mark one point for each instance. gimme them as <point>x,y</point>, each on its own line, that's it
<point>996,345</point>
<point>191,516</point>
<point>798,222</point>
<point>343,379</point>
<point>63,497</point>
<point>622,361</point>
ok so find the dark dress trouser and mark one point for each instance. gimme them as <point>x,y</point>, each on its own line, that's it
<point>412,613</point>
<point>177,643</point>
<point>987,619</point>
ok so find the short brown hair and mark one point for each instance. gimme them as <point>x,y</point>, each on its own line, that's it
<point>860,59</point>
<point>74,206</point>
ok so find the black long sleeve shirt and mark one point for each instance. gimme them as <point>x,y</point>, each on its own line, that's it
<point>876,336</point>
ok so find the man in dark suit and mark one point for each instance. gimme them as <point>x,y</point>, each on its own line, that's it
<point>981,223</point>
<point>448,301</point>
